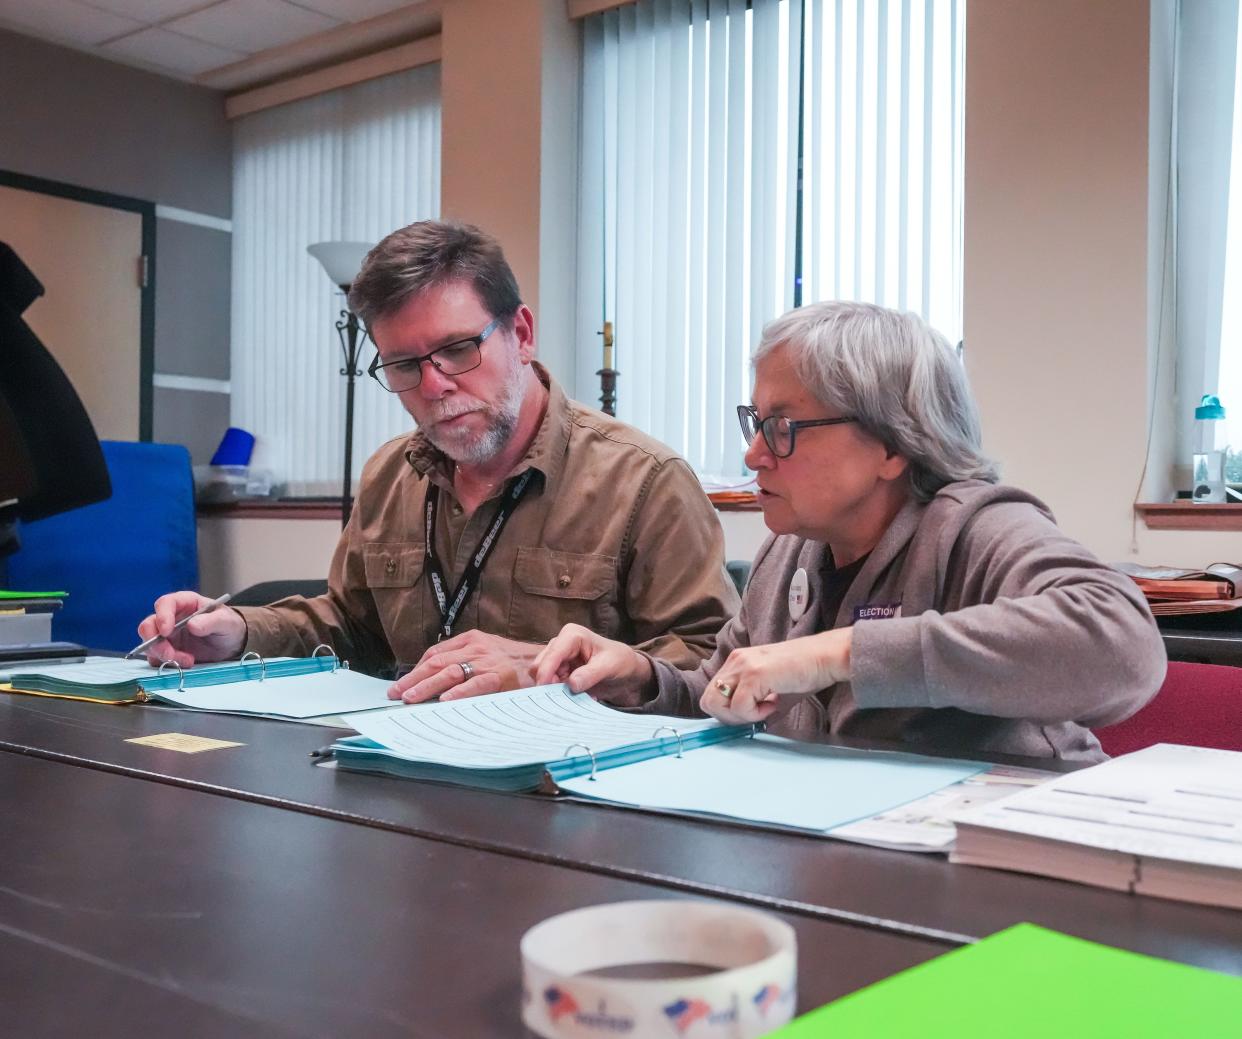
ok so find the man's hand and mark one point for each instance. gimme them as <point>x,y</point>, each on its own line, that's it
<point>494,664</point>
<point>758,681</point>
<point>610,671</point>
<point>217,635</point>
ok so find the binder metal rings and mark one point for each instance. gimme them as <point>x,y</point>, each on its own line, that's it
<point>180,672</point>
<point>590,753</point>
<point>262,663</point>
<point>676,735</point>
<point>331,653</point>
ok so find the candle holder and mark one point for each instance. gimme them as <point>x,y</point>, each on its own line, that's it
<point>608,375</point>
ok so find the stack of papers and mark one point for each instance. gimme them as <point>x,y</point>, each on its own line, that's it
<point>1163,821</point>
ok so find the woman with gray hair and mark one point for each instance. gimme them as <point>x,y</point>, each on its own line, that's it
<point>904,594</point>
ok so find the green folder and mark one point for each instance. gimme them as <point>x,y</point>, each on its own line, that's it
<point>11,594</point>
<point>1031,983</point>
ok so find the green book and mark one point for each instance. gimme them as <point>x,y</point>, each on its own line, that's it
<point>1030,983</point>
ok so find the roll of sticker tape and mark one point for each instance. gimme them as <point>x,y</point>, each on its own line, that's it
<point>741,982</point>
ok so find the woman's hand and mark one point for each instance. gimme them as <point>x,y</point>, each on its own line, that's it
<point>586,662</point>
<point>758,681</point>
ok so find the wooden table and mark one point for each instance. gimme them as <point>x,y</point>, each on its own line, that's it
<point>898,893</point>
<point>136,907</point>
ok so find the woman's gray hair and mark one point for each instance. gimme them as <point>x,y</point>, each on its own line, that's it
<point>897,376</point>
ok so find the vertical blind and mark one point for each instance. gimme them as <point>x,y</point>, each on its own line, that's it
<point>350,165</point>
<point>694,230</point>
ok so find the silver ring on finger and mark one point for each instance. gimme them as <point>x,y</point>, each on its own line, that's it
<point>725,689</point>
<point>467,669</point>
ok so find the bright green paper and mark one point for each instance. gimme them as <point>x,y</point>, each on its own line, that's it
<point>1030,983</point>
<point>31,595</point>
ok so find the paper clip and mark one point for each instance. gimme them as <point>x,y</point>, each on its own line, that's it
<point>676,736</point>
<point>590,753</point>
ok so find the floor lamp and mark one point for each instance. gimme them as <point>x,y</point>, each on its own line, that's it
<point>342,261</point>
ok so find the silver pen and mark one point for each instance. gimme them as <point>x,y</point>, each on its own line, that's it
<point>205,608</point>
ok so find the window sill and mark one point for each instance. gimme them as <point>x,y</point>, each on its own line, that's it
<point>1185,515</point>
<point>274,508</point>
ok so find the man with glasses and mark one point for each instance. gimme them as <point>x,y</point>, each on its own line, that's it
<point>508,513</point>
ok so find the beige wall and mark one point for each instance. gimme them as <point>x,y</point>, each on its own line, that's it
<point>509,87</point>
<point>1056,324</point>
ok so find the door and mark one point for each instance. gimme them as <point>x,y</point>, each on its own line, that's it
<point>88,257</point>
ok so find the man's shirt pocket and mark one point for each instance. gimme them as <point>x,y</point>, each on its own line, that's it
<point>553,588</point>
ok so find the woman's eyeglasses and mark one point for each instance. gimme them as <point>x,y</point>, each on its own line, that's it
<point>778,431</point>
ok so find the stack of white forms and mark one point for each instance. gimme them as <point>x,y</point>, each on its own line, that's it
<point>1164,821</point>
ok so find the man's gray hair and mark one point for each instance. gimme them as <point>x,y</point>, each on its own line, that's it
<point>430,253</point>
<point>897,376</point>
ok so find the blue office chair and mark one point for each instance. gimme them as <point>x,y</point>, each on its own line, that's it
<point>115,558</point>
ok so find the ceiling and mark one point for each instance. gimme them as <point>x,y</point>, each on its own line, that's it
<point>228,44</point>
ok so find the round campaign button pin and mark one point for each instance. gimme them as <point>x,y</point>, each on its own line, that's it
<point>799,593</point>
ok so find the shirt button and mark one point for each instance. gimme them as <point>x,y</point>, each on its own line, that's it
<point>563,581</point>
<point>456,510</point>
<point>390,567</point>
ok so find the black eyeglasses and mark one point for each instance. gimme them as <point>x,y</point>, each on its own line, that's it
<point>455,358</point>
<point>778,431</point>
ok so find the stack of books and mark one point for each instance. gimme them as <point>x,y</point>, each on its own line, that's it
<point>26,617</point>
<point>1163,821</point>
<point>1172,592</point>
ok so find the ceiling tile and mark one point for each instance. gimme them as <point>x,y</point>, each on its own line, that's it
<point>355,10</point>
<point>252,25</point>
<point>65,21</point>
<point>170,50</point>
<point>149,11</point>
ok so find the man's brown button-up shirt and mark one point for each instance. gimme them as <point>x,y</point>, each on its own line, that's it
<point>614,533</point>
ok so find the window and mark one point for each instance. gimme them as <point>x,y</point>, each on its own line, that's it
<point>694,230</point>
<point>350,165</point>
<point>1207,215</point>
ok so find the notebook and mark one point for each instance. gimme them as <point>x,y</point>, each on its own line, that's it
<point>548,738</point>
<point>1164,821</point>
<point>282,687</point>
<point>1027,982</point>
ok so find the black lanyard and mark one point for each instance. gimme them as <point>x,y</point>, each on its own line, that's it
<point>470,579</point>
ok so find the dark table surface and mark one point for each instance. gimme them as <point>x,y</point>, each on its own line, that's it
<point>898,892</point>
<point>126,903</point>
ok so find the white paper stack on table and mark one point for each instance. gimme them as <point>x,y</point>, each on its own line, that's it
<point>1164,821</point>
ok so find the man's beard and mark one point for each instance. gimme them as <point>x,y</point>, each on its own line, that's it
<point>469,448</point>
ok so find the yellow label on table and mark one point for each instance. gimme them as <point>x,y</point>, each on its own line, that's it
<point>183,742</point>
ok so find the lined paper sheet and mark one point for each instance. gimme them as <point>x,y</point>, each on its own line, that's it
<point>770,779</point>
<point>295,696</point>
<point>523,727</point>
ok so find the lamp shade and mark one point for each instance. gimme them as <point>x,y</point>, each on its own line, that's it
<point>342,260</point>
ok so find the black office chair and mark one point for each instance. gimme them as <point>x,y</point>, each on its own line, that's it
<point>739,570</point>
<point>266,592</point>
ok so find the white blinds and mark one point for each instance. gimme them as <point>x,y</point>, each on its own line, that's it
<point>882,156</point>
<point>349,165</point>
<point>687,208</point>
<point>696,114</point>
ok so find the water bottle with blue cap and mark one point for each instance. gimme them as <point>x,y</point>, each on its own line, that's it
<point>1207,474</point>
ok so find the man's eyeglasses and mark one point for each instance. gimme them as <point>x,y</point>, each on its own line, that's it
<point>456,358</point>
<point>779,431</point>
